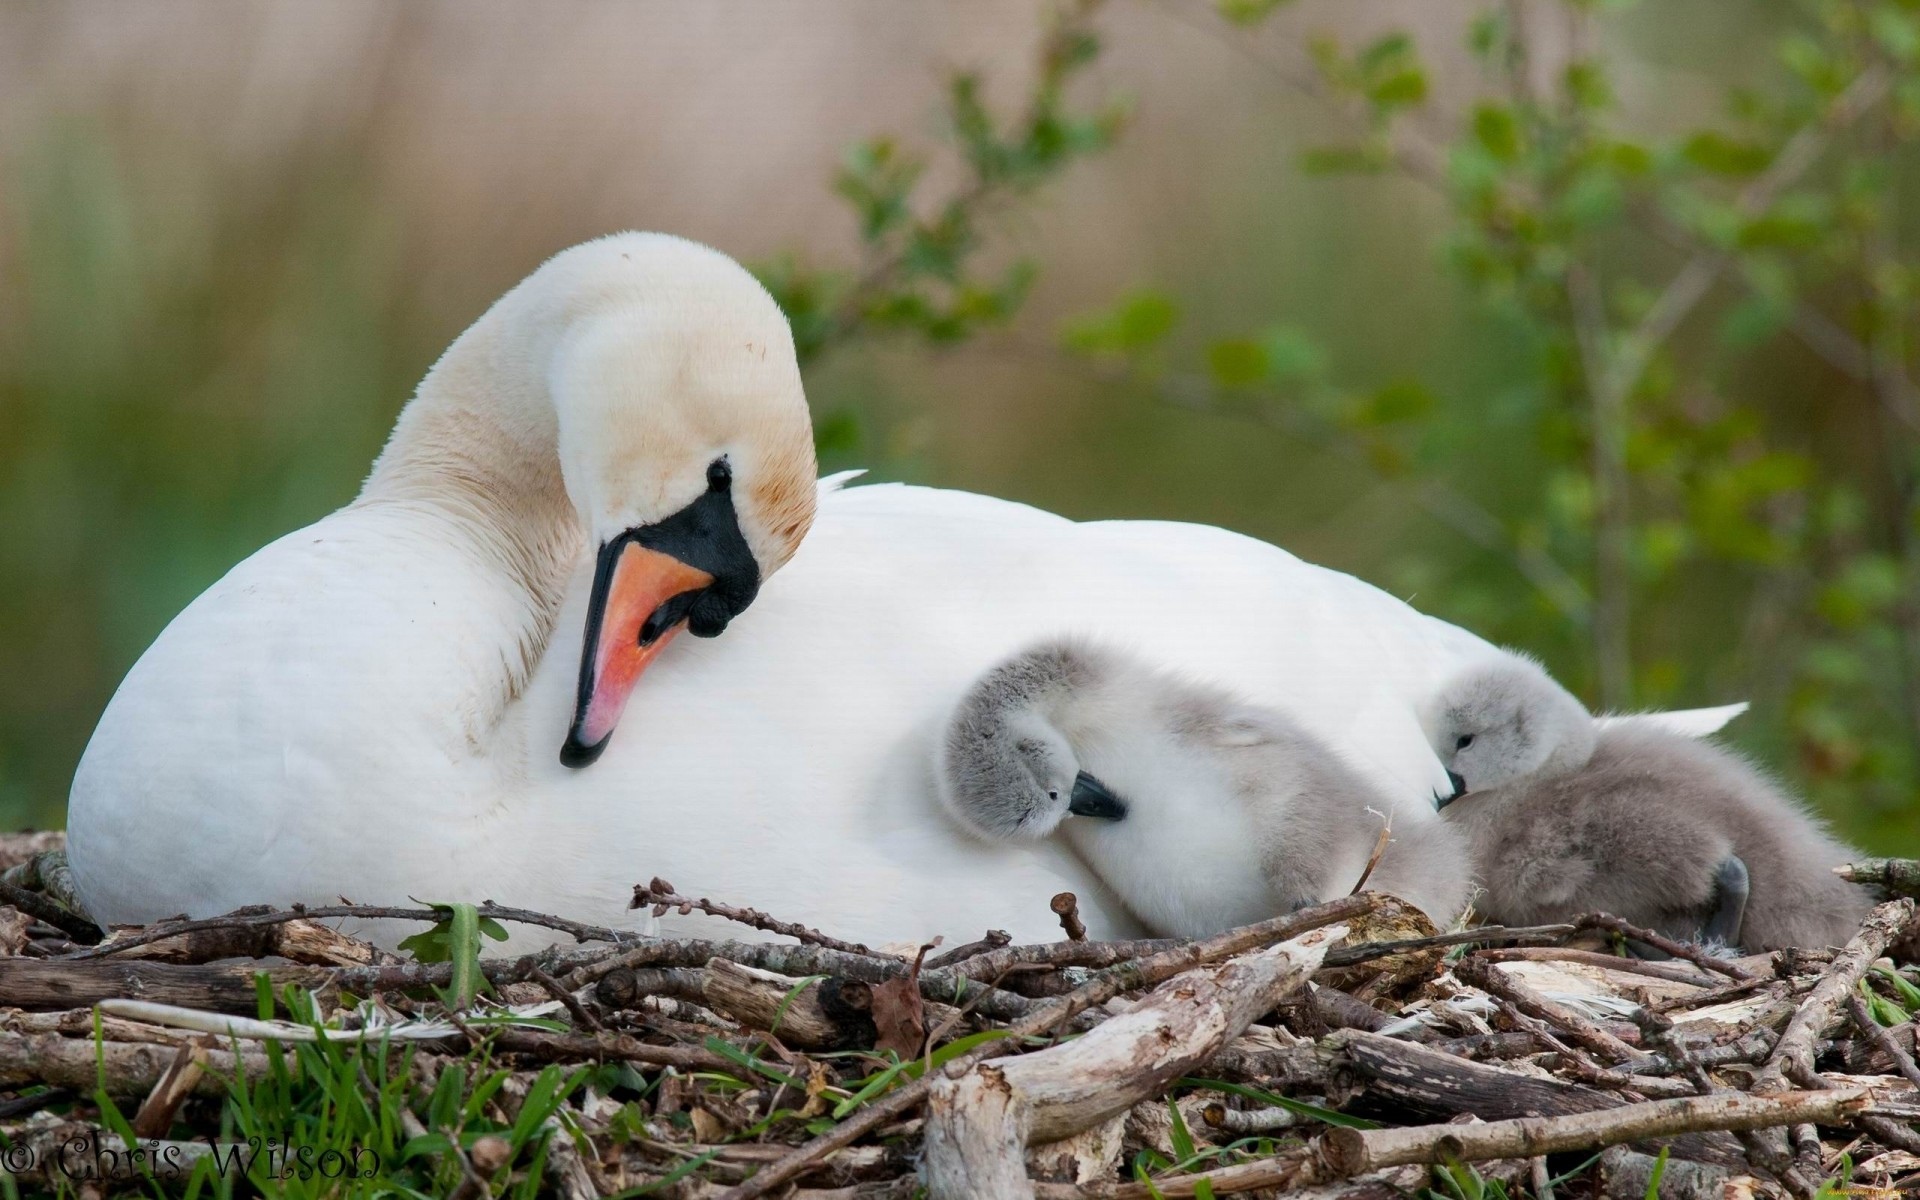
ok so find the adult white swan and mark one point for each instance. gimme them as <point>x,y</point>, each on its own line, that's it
<point>403,699</point>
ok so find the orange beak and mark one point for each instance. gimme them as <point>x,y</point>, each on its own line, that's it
<point>630,618</point>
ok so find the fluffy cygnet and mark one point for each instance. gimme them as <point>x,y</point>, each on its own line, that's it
<point>1667,831</point>
<point>1201,812</point>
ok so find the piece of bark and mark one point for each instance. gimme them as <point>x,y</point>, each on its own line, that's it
<point>795,1012</point>
<point>59,984</point>
<point>1441,1085</point>
<point>1628,1175</point>
<point>301,941</point>
<point>170,1091</point>
<point>1668,971</point>
<point>14,927</point>
<point>1793,1053</point>
<point>1356,1151</point>
<point>1488,977</point>
<point>979,1124</point>
<point>1089,1156</point>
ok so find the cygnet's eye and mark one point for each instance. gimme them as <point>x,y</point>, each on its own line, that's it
<point>1466,739</point>
<point>1053,793</point>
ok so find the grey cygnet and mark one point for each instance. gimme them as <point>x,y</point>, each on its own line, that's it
<point>1200,811</point>
<point>1670,832</point>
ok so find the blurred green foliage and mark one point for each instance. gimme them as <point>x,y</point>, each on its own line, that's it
<point>1630,280</point>
<point>1603,458</point>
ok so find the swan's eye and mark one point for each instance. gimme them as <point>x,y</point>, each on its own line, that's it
<point>719,475</point>
<point>1466,739</point>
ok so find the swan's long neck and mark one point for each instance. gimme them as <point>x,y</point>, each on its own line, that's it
<point>476,455</point>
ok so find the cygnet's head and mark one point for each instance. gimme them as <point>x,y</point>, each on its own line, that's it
<point>1006,770</point>
<point>1505,720</point>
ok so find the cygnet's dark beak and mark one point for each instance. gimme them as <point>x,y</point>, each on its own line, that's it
<point>1092,799</point>
<point>1459,790</point>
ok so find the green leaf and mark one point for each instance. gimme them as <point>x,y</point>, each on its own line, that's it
<point>1659,1169</point>
<point>1497,132</point>
<point>1138,321</point>
<point>1398,402</point>
<point>1720,154</point>
<point>1293,355</point>
<point>1248,12</point>
<point>1237,362</point>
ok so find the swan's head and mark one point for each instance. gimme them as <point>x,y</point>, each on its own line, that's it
<point>1006,770</point>
<point>685,445</point>
<point>1505,720</point>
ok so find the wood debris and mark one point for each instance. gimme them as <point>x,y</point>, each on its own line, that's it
<point>1348,1050</point>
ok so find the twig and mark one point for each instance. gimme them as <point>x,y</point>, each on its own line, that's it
<point>79,928</point>
<point>1114,981</point>
<point>1670,972</point>
<point>1696,955</point>
<point>994,940</point>
<point>558,991</point>
<point>1483,975</point>
<point>1900,876</point>
<point>249,919</point>
<point>1373,859</point>
<point>1794,1051</point>
<point>661,895</point>
<point>1066,906</point>
<point>1354,1151</point>
<point>1863,1020</point>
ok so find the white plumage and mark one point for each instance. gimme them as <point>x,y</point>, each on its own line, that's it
<point>371,707</point>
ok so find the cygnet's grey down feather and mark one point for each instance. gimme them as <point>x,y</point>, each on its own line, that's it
<point>1664,830</point>
<point>1199,810</point>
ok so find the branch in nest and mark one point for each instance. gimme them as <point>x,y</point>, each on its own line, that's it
<point>1688,952</point>
<point>1900,876</point>
<point>1794,1051</point>
<point>1066,906</point>
<point>662,897</point>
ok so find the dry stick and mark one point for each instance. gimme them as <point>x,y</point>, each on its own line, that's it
<point>1484,975</point>
<point>1900,876</point>
<point>1373,858</point>
<point>559,992</point>
<point>170,1092</point>
<point>661,895</point>
<point>1670,972</point>
<point>248,919</point>
<point>1696,955</point>
<point>1713,996</point>
<point>1863,1018</point>
<point>1066,906</point>
<point>1352,1151</point>
<point>1794,1051</point>
<point>1000,959</point>
<point>1344,1152</point>
<point>994,940</point>
<point>79,928</point>
<point>127,1069</point>
<point>1116,980</point>
<point>1353,954</point>
<point>945,985</point>
<point>981,1121</point>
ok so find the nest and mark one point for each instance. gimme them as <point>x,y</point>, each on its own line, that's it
<point>1348,1049</point>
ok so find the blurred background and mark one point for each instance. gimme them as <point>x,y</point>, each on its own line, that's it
<point>1584,324</point>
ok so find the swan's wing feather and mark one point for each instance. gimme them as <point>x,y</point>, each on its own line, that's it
<point>839,479</point>
<point>1688,722</point>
